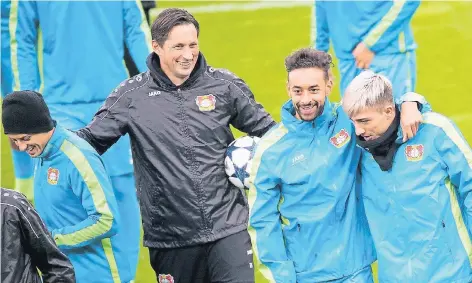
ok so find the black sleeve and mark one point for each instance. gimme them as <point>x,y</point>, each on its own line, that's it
<point>249,117</point>
<point>38,242</point>
<point>109,123</point>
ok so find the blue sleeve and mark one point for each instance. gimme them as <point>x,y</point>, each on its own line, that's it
<point>319,27</point>
<point>137,33</point>
<point>6,73</point>
<point>91,184</point>
<point>423,104</point>
<point>456,154</point>
<point>23,38</point>
<point>265,226</point>
<point>391,24</point>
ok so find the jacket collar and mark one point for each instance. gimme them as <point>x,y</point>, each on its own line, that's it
<point>163,80</point>
<point>54,143</point>
<point>296,125</point>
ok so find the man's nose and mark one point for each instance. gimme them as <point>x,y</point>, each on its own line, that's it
<point>306,99</point>
<point>188,54</point>
<point>359,130</point>
<point>21,145</point>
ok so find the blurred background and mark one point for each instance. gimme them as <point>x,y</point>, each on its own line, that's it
<point>252,39</point>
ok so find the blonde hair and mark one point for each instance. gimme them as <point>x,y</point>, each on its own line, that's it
<point>367,90</point>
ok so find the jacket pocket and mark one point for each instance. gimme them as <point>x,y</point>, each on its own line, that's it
<point>295,246</point>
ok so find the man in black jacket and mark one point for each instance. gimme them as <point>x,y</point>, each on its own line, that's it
<point>27,245</point>
<point>178,115</point>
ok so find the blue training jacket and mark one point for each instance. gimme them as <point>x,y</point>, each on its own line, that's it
<point>384,26</point>
<point>5,56</point>
<point>307,223</point>
<point>420,211</point>
<point>74,197</point>
<point>81,44</point>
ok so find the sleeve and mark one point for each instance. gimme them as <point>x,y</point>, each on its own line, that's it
<point>109,123</point>
<point>391,24</point>
<point>319,27</point>
<point>248,115</point>
<point>456,154</point>
<point>265,226</point>
<point>23,24</point>
<point>423,104</point>
<point>90,183</point>
<point>53,264</point>
<point>137,33</point>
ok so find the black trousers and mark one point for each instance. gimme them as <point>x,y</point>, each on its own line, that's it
<point>228,260</point>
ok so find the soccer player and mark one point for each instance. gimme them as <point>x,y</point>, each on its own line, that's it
<point>72,191</point>
<point>82,61</point>
<point>306,221</point>
<point>416,193</point>
<point>372,35</point>
<point>27,245</point>
<point>22,163</point>
<point>178,115</point>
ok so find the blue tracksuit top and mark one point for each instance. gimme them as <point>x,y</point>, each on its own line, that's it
<point>420,211</point>
<point>74,197</point>
<point>307,222</point>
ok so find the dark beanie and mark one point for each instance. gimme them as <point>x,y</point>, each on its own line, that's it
<point>25,112</point>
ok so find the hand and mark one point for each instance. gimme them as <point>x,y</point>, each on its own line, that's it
<point>410,119</point>
<point>363,56</point>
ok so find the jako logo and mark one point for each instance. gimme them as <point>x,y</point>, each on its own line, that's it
<point>154,93</point>
<point>299,158</point>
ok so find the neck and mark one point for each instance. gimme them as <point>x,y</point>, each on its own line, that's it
<point>175,80</point>
<point>49,136</point>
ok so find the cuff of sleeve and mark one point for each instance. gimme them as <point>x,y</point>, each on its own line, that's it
<point>423,105</point>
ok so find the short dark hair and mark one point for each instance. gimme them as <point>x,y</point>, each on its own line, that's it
<point>309,58</point>
<point>168,19</point>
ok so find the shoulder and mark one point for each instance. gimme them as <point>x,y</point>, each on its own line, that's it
<point>221,74</point>
<point>440,128</point>
<point>271,139</point>
<point>133,84</point>
<point>435,122</point>
<point>13,200</point>
<point>436,119</point>
<point>80,153</point>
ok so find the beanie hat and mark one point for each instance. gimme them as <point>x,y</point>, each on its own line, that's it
<point>25,112</point>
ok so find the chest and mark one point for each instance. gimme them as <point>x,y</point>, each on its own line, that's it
<point>52,187</point>
<point>201,115</point>
<point>324,163</point>
<point>416,174</point>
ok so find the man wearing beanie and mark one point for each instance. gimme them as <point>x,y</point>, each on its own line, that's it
<point>72,191</point>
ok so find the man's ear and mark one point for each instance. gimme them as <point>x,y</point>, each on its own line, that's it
<point>287,85</point>
<point>389,110</point>
<point>156,47</point>
<point>329,86</point>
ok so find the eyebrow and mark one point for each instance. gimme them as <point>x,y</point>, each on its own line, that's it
<point>311,86</point>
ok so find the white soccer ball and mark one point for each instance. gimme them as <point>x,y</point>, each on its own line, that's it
<point>239,159</point>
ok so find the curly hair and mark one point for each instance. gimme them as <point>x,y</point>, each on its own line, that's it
<point>309,58</point>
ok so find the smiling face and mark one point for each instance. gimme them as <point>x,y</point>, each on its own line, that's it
<point>33,144</point>
<point>308,88</point>
<point>179,53</point>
